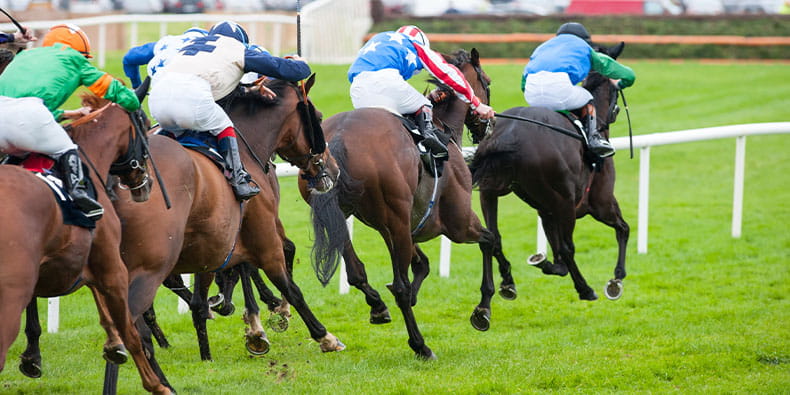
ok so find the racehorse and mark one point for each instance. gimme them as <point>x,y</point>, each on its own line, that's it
<point>385,185</point>
<point>43,257</point>
<point>554,174</point>
<point>207,229</point>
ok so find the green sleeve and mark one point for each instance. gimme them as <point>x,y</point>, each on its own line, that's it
<point>523,82</point>
<point>122,95</point>
<point>57,114</point>
<point>609,67</point>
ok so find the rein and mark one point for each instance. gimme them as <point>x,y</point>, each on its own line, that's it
<point>552,127</point>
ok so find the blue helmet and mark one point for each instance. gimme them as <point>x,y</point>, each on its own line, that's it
<point>230,29</point>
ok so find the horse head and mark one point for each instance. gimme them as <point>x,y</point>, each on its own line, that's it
<point>445,101</point>
<point>605,100</point>
<point>300,140</point>
<point>110,126</point>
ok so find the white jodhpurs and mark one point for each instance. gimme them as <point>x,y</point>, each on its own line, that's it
<point>554,91</point>
<point>28,126</point>
<point>180,102</point>
<point>388,90</point>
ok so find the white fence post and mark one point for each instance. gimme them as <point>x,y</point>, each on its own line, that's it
<point>53,314</point>
<point>343,282</point>
<point>737,195</point>
<point>444,257</point>
<point>183,306</point>
<point>644,194</point>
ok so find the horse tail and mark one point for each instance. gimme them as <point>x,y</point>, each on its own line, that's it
<point>329,223</point>
<point>492,164</point>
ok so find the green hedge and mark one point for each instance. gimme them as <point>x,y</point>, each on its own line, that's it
<point>750,26</point>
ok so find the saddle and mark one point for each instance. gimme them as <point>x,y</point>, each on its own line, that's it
<point>202,143</point>
<point>44,168</point>
<point>427,159</point>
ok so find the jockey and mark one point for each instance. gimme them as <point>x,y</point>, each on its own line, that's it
<point>209,68</point>
<point>156,54</point>
<point>556,67</point>
<point>378,79</point>
<point>32,88</point>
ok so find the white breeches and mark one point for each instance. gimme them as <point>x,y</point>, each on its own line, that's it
<point>554,91</point>
<point>180,102</point>
<point>28,126</point>
<point>388,90</point>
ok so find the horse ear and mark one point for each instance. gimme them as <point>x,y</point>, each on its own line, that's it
<point>142,90</point>
<point>309,83</point>
<point>475,57</point>
<point>615,51</point>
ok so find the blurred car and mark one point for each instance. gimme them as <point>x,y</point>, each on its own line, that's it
<point>184,6</point>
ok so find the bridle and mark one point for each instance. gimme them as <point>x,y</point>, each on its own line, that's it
<point>472,119</point>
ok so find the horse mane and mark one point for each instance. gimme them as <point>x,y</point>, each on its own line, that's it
<point>88,99</point>
<point>457,59</point>
<point>251,100</point>
<point>594,80</point>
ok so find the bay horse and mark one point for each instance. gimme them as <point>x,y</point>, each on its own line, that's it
<point>207,229</point>
<point>40,256</point>
<point>385,185</point>
<point>550,172</point>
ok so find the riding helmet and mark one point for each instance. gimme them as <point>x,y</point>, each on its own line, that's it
<point>415,35</point>
<point>577,29</point>
<point>70,35</point>
<point>230,29</point>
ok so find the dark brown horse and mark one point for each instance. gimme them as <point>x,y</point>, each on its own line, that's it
<point>42,257</point>
<point>550,171</point>
<point>385,185</point>
<point>207,229</point>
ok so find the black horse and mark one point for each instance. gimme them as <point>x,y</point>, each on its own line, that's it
<point>556,175</point>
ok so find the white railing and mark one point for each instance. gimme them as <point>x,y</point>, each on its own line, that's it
<point>644,144</point>
<point>347,20</point>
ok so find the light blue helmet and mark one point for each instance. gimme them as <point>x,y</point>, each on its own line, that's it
<point>195,32</point>
<point>258,48</point>
<point>230,29</point>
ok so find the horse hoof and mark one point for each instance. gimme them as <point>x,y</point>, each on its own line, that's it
<point>257,345</point>
<point>591,295</point>
<point>116,354</point>
<point>30,368</point>
<point>225,309</point>
<point>331,344</point>
<point>481,319</point>
<point>536,259</point>
<point>427,355</point>
<point>380,318</point>
<point>614,289</point>
<point>215,301</point>
<point>508,292</point>
<point>278,322</point>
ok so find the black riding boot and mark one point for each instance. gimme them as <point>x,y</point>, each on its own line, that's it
<point>430,141</point>
<point>70,166</point>
<point>239,179</point>
<point>597,143</point>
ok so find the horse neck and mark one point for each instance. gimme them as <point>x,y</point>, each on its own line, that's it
<point>452,114</point>
<point>266,130</point>
<point>105,139</point>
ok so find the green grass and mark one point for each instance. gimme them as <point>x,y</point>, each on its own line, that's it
<point>702,312</point>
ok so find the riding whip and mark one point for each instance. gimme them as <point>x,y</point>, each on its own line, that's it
<point>552,127</point>
<point>628,117</point>
<point>299,27</point>
<point>14,21</point>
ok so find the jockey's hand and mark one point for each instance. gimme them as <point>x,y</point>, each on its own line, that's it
<point>266,92</point>
<point>295,57</point>
<point>78,113</point>
<point>485,111</point>
<point>24,36</point>
<point>615,82</point>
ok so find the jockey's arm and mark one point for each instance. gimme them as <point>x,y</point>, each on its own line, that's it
<point>609,67</point>
<point>276,67</point>
<point>452,77</point>
<point>136,57</point>
<point>105,86</point>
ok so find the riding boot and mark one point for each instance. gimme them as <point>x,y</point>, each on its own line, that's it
<point>239,179</point>
<point>430,141</point>
<point>70,166</point>
<point>597,143</point>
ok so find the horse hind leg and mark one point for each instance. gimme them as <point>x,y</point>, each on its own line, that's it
<point>355,270</point>
<point>481,316</point>
<point>489,203</point>
<point>256,341</point>
<point>149,316</point>
<point>200,313</point>
<point>612,217</point>
<point>420,268</point>
<point>30,360</point>
<point>565,256</point>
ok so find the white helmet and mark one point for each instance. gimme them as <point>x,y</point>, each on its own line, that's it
<point>415,34</point>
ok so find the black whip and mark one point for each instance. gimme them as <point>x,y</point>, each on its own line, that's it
<point>299,27</point>
<point>630,132</point>
<point>14,21</point>
<point>552,127</point>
